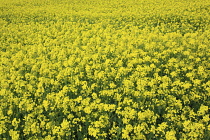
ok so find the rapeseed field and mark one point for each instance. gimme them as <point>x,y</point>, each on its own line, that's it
<point>104,69</point>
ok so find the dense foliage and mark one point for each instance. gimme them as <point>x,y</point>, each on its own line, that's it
<point>102,69</point>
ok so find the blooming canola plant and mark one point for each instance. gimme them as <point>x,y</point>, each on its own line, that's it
<point>102,69</point>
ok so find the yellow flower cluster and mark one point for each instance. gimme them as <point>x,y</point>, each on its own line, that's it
<point>98,69</point>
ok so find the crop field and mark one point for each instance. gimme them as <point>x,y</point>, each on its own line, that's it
<point>104,69</point>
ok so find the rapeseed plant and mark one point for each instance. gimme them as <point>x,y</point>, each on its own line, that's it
<point>104,69</point>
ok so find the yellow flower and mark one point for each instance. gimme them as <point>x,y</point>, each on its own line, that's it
<point>197,82</point>
<point>30,106</point>
<point>203,110</point>
<point>9,112</point>
<point>87,110</point>
<point>152,66</point>
<point>170,135</point>
<point>173,74</point>
<point>49,137</point>
<point>112,85</point>
<point>186,85</point>
<point>189,75</point>
<point>93,131</point>
<point>65,124</point>
<point>56,130</point>
<point>35,128</point>
<point>14,134</point>
<point>162,127</point>
<point>125,132</point>
<point>209,127</point>
<point>15,123</point>
<point>206,118</point>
